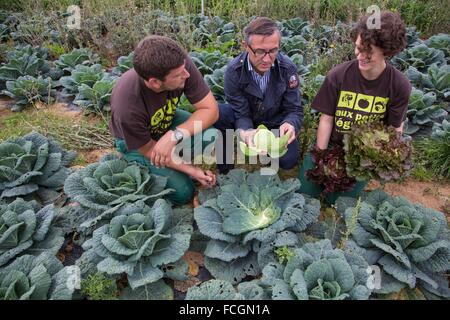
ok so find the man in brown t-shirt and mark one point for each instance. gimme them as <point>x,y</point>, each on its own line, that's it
<point>365,89</point>
<point>145,120</point>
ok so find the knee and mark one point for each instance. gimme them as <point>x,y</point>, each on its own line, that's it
<point>291,158</point>
<point>289,161</point>
<point>184,190</point>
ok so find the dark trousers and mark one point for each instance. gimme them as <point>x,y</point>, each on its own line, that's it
<point>227,121</point>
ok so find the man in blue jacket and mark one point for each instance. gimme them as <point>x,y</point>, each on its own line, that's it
<point>261,87</point>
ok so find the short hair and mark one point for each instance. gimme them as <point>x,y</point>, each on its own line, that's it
<point>261,26</point>
<point>155,56</point>
<point>390,37</point>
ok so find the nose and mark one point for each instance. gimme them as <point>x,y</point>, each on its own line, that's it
<point>359,54</point>
<point>267,58</point>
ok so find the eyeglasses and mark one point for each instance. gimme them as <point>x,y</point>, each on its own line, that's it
<point>261,53</point>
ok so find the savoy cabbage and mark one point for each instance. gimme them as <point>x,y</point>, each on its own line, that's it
<point>124,63</point>
<point>36,278</point>
<point>27,90</point>
<point>247,216</point>
<point>33,164</point>
<point>411,243</point>
<point>422,112</point>
<point>103,187</point>
<point>436,80</point>
<point>420,57</point>
<point>315,272</point>
<point>145,243</point>
<point>26,228</point>
<point>213,290</point>
<point>82,56</point>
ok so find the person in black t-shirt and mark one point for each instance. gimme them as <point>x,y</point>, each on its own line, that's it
<point>365,89</point>
<point>145,120</point>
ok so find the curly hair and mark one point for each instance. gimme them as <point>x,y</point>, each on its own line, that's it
<point>155,56</point>
<point>390,38</point>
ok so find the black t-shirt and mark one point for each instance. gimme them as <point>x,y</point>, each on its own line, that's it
<point>349,97</point>
<point>139,114</point>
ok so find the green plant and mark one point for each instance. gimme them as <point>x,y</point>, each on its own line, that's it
<point>28,90</point>
<point>83,56</point>
<point>437,80</point>
<point>375,151</point>
<point>142,242</point>
<point>207,62</point>
<point>33,165</point>
<point>440,41</point>
<point>214,27</point>
<point>434,153</point>
<point>26,61</point>
<point>410,242</point>
<point>293,45</point>
<point>97,97</point>
<point>422,111</point>
<point>104,187</point>
<point>99,287</point>
<point>35,278</point>
<point>82,74</point>
<point>215,82</point>
<point>124,63</point>
<point>330,170</point>
<point>284,254</point>
<point>420,57</point>
<point>316,271</point>
<point>213,290</point>
<point>441,130</point>
<point>266,142</point>
<point>246,217</point>
<point>26,228</point>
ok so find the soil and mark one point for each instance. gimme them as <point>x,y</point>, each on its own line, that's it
<point>96,155</point>
<point>435,195</point>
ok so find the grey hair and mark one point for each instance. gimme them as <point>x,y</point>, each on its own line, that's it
<point>261,26</point>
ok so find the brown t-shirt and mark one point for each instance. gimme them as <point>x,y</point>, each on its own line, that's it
<point>139,114</point>
<point>349,97</point>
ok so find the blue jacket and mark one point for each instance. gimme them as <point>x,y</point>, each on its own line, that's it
<point>281,102</point>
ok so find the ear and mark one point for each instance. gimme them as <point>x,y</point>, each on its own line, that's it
<point>154,84</point>
<point>244,44</point>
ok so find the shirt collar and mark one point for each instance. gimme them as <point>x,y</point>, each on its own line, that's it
<point>250,67</point>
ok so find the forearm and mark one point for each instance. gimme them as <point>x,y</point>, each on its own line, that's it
<point>173,162</point>
<point>324,131</point>
<point>400,129</point>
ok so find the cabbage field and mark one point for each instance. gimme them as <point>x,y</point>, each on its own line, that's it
<point>78,222</point>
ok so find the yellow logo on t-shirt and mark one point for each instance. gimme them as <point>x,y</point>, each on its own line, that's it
<point>357,107</point>
<point>347,99</point>
<point>162,118</point>
<point>364,102</point>
<point>379,106</point>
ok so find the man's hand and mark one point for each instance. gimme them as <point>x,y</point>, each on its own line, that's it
<point>163,149</point>
<point>205,177</point>
<point>287,128</point>
<point>247,136</point>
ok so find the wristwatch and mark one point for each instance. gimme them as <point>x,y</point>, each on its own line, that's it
<point>178,135</point>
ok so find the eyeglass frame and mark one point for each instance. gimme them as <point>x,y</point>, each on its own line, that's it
<point>265,52</point>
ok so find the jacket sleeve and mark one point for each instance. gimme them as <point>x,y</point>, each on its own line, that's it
<point>290,103</point>
<point>237,101</point>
